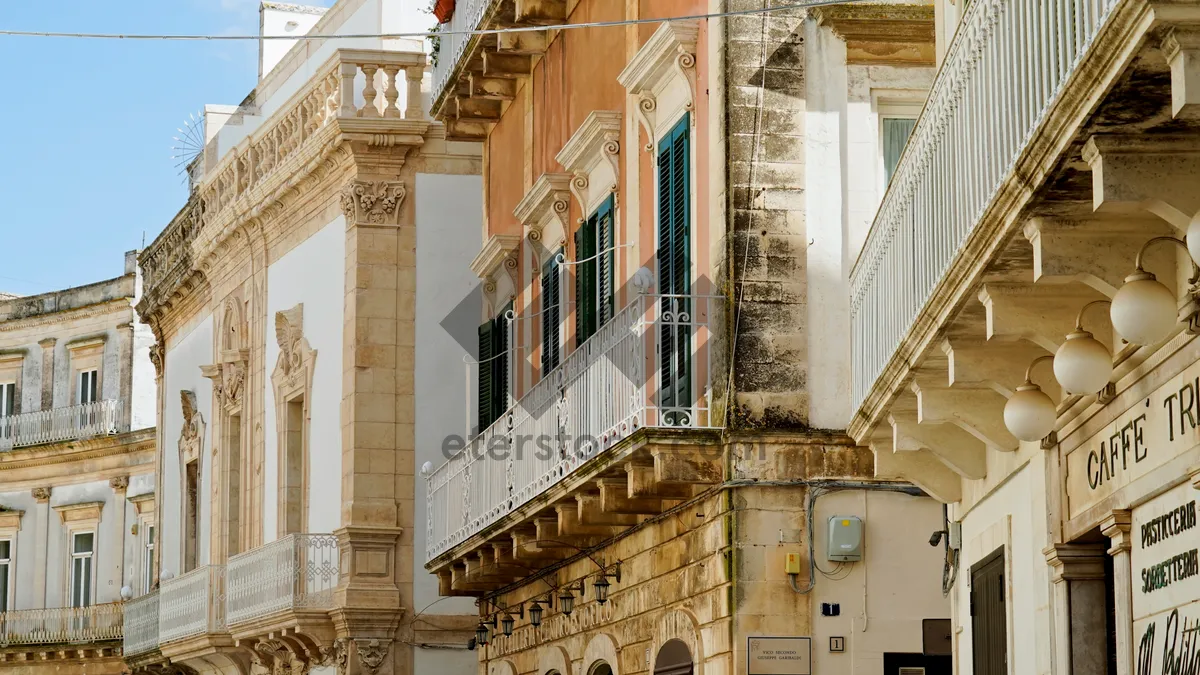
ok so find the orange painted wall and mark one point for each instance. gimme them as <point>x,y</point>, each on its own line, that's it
<point>662,9</point>
<point>505,183</point>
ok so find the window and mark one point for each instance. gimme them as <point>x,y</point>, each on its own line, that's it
<point>8,398</point>
<point>83,547</point>
<point>148,559</point>
<point>989,622</point>
<point>896,131</point>
<point>551,317</point>
<point>493,368</point>
<point>88,390</point>
<point>674,272</point>
<point>5,572</point>
<point>594,241</point>
<point>191,516</point>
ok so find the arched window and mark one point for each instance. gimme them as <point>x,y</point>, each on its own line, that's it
<point>674,658</point>
<point>600,668</point>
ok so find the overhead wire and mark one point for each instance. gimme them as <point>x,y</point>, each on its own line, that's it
<point>804,4</point>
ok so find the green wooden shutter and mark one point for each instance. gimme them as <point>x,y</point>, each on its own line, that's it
<point>674,270</point>
<point>500,363</point>
<point>605,238</point>
<point>485,387</point>
<point>585,281</point>
<point>551,286</point>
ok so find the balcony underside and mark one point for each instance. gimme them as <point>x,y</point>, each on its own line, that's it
<point>1113,163</point>
<point>483,80</point>
<point>652,471</point>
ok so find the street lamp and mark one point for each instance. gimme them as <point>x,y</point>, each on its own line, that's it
<point>1144,310</point>
<point>1082,365</point>
<point>602,584</point>
<point>1029,414</point>
<point>481,634</point>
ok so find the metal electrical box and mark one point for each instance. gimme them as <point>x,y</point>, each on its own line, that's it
<point>845,538</point>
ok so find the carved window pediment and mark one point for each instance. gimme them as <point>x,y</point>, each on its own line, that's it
<point>592,156</point>
<point>543,213</point>
<point>293,369</point>
<point>496,265</point>
<point>662,76</point>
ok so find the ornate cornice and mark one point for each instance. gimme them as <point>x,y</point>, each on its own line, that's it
<point>67,316</point>
<point>131,442</point>
<point>500,252</point>
<point>670,52</point>
<point>85,511</point>
<point>597,140</point>
<point>549,197</point>
<point>878,22</point>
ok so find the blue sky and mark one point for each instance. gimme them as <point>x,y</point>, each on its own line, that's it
<point>85,155</point>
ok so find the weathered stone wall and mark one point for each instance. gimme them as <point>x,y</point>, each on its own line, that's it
<point>762,254</point>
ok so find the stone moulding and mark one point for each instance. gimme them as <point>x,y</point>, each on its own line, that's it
<point>547,202</point>
<point>597,140</point>
<point>670,52</point>
<point>499,253</point>
<point>373,202</point>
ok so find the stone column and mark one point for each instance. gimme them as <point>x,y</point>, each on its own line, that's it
<point>125,368</point>
<point>1116,527</point>
<point>47,346</point>
<point>377,427</point>
<point>1080,616</point>
<point>119,486</point>
<point>41,538</point>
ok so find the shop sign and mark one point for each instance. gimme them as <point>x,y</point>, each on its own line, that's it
<point>1143,438</point>
<point>1165,558</point>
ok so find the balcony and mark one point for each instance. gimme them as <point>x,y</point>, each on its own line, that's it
<point>141,625</point>
<point>62,625</point>
<point>192,605</point>
<point>583,424</point>
<point>63,424</point>
<point>351,97</point>
<point>1059,137</point>
<point>289,577</point>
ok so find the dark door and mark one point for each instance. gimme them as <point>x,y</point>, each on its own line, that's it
<point>916,664</point>
<point>989,623</point>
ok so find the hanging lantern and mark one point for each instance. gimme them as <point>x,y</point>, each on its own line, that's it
<point>481,634</point>
<point>535,614</point>
<point>506,624</point>
<point>566,601</point>
<point>602,589</point>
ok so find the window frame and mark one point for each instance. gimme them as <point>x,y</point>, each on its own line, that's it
<point>551,338</point>
<point>90,557</point>
<point>88,385</point>
<point>8,564</point>
<point>8,398</point>
<point>893,105</point>
<point>149,543</point>
<point>678,394</point>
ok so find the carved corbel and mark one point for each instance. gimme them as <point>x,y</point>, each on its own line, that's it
<point>645,108</point>
<point>579,187</point>
<point>611,150</point>
<point>191,437</point>
<point>373,202</point>
<point>371,654</point>
<point>685,64</point>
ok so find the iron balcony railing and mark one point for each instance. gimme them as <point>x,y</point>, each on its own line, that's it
<point>192,604</point>
<point>141,624</point>
<point>62,625</point>
<point>63,424</point>
<point>1005,68</point>
<point>298,571</point>
<point>615,383</point>
<point>453,43</point>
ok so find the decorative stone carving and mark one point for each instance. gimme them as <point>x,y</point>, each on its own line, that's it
<point>295,355</point>
<point>119,483</point>
<point>373,202</point>
<point>156,358</point>
<point>595,147</point>
<point>547,202</point>
<point>229,380</point>
<point>292,381</point>
<point>41,494</point>
<point>191,437</point>
<point>371,654</point>
<point>337,655</point>
<point>670,53</point>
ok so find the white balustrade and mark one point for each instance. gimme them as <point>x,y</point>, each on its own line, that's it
<point>141,624</point>
<point>62,625</point>
<point>605,390</point>
<point>192,604</point>
<point>63,424</point>
<point>451,47</point>
<point>298,571</point>
<point>1005,68</point>
<point>352,84</point>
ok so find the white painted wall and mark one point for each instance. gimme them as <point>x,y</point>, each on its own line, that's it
<point>1012,516</point>
<point>276,21</point>
<point>25,541</point>
<point>185,355</point>
<point>449,212</point>
<point>885,597</point>
<point>312,273</point>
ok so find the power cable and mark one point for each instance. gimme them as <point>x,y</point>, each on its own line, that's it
<point>426,34</point>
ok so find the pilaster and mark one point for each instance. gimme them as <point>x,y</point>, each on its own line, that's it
<point>1117,527</point>
<point>41,519</point>
<point>125,359</point>
<point>119,485</point>
<point>47,346</point>
<point>1080,619</point>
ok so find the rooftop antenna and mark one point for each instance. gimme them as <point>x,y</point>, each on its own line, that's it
<point>189,143</point>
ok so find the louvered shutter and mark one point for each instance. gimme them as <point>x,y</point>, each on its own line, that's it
<point>486,371</point>
<point>550,314</point>
<point>674,225</point>
<point>605,237</point>
<point>500,364</point>
<point>585,281</point>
